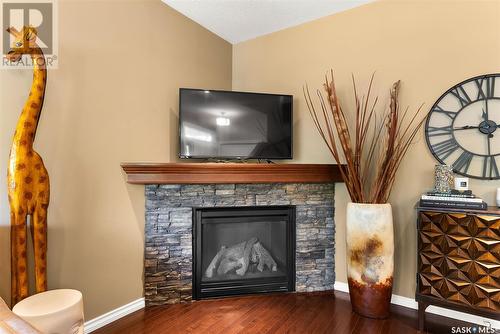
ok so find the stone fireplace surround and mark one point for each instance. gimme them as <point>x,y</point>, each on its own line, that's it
<point>170,200</point>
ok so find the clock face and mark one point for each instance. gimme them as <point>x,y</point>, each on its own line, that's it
<point>462,129</point>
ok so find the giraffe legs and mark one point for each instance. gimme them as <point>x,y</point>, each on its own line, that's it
<point>39,235</point>
<point>19,263</point>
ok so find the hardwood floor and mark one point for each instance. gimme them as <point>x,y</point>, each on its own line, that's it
<point>277,313</point>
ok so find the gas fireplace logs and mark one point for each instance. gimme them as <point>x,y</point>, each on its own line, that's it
<point>239,257</point>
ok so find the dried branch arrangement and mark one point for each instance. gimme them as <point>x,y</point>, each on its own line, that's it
<point>374,147</point>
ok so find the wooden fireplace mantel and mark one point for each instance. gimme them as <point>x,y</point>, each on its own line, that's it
<point>200,173</point>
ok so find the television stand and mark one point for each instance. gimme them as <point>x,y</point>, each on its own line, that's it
<point>226,161</point>
<point>238,161</point>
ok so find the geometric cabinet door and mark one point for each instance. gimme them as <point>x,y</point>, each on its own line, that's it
<point>459,260</point>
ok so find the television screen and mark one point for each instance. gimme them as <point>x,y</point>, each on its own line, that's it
<point>234,125</point>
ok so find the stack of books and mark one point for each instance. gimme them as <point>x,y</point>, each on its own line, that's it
<point>454,200</point>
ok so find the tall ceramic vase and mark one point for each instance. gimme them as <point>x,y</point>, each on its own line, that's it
<point>370,258</point>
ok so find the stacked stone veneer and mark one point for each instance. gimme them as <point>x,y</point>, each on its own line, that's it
<point>168,232</point>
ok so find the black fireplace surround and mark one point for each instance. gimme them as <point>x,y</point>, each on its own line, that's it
<point>243,250</point>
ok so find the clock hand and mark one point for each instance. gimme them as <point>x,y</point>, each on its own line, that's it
<point>487,116</point>
<point>489,143</point>
<point>466,127</point>
<point>485,113</point>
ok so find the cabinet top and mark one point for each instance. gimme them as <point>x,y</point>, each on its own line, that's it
<point>492,210</point>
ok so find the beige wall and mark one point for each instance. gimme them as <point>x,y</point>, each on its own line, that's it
<point>429,45</point>
<point>114,98</point>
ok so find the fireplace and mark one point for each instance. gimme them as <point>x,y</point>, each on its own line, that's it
<point>169,270</point>
<point>243,250</point>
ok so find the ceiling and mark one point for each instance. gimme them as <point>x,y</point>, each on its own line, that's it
<point>240,20</point>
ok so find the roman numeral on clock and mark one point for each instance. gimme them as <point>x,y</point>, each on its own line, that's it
<point>485,91</point>
<point>462,163</point>
<point>461,95</point>
<point>450,114</point>
<point>445,148</point>
<point>490,168</point>
<point>433,131</point>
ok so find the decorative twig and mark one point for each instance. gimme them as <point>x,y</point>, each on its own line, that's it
<point>373,154</point>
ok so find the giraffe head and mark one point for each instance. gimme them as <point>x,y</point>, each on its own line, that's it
<point>24,42</point>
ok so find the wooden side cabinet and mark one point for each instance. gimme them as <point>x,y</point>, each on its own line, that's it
<point>458,261</point>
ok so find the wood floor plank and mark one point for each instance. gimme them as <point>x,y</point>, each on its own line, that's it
<point>301,313</point>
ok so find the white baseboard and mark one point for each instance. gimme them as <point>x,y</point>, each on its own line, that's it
<point>411,303</point>
<point>113,315</point>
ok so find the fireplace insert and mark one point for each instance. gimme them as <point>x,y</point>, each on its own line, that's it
<point>243,250</point>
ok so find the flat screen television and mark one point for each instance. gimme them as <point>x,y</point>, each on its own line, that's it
<point>234,125</point>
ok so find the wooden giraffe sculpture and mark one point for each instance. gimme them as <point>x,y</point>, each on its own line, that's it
<point>28,180</point>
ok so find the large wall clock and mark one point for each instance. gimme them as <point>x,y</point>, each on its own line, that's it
<point>462,128</point>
